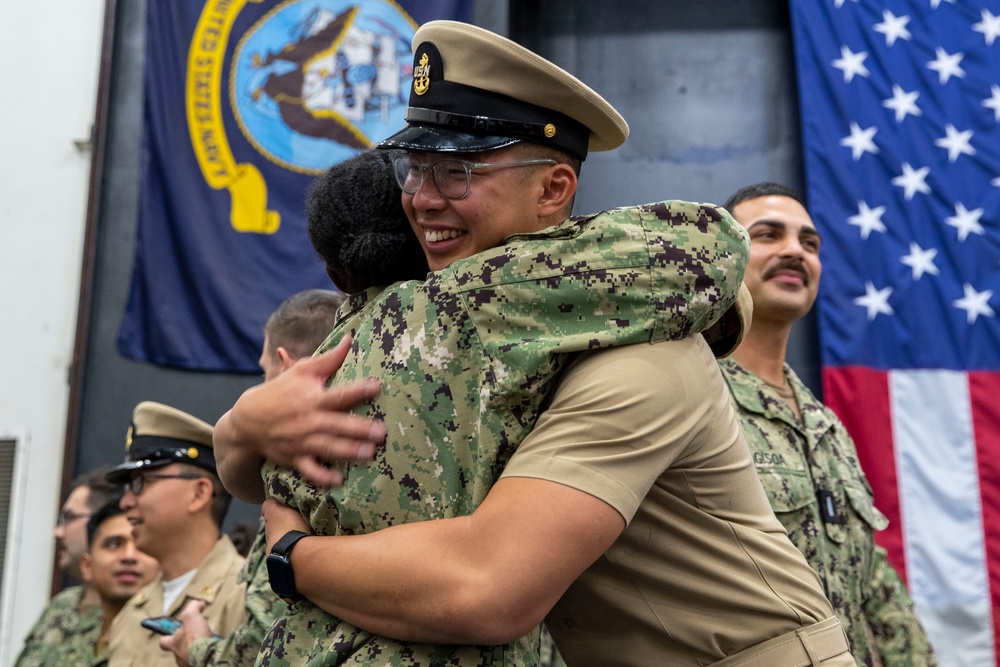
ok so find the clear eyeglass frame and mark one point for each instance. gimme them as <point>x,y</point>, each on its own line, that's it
<point>452,177</point>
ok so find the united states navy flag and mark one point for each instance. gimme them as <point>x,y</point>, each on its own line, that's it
<point>246,101</point>
<point>900,104</point>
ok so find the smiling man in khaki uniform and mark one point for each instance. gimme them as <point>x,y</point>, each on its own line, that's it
<point>631,514</point>
<point>176,505</point>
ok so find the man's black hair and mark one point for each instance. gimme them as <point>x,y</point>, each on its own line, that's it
<point>764,189</point>
<point>358,226</point>
<point>100,515</point>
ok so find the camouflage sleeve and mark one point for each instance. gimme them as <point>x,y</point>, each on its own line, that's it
<point>898,636</point>
<point>548,654</point>
<point>48,633</point>
<point>31,653</point>
<point>261,608</point>
<point>204,651</point>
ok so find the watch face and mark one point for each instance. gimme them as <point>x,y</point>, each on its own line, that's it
<point>279,573</point>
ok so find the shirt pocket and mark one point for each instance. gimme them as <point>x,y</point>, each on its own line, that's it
<point>862,501</point>
<point>787,489</point>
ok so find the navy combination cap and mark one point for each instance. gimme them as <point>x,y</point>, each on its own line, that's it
<point>161,435</point>
<point>474,90</point>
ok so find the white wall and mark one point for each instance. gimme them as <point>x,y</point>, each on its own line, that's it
<point>51,54</point>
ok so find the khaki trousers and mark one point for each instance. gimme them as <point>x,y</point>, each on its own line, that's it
<point>823,643</point>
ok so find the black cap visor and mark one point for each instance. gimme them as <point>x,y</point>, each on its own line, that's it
<point>435,139</point>
<point>122,473</point>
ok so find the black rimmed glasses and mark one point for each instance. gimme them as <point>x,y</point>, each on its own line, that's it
<point>138,483</point>
<point>69,516</point>
<point>452,177</point>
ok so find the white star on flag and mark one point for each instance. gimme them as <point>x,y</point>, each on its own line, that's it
<point>876,301</point>
<point>921,261</point>
<point>937,3</point>
<point>893,27</point>
<point>902,103</point>
<point>912,181</point>
<point>851,63</point>
<point>996,182</point>
<point>966,221</point>
<point>860,141</point>
<point>946,65</point>
<point>974,303</point>
<point>840,3</point>
<point>993,102</point>
<point>957,143</point>
<point>868,219</point>
<point>989,26</point>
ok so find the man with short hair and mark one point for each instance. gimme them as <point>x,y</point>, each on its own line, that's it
<point>631,511</point>
<point>176,505</point>
<point>294,330</point>
<point>116,569</point>
<point>804,456</point>
<point>75,610</point>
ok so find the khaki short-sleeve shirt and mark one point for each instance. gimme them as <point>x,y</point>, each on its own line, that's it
<point>703,569</point>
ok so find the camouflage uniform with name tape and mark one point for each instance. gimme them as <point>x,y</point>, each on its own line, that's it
<point>800,461</point>
<point>466,361</point>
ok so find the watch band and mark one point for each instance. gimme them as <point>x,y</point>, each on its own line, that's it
<point>283,547</point>
<point>279,566</point>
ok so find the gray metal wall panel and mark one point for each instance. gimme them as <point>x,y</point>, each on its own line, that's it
<point>708,90</point>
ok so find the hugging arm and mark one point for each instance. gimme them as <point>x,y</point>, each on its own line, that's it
<point>297,422</point>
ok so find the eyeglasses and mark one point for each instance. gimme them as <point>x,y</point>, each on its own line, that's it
<point>68,516</point>
<point>138,483</point>
<point>452,177</point>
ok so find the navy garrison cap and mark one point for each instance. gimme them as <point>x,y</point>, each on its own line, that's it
<point>161,435</point>
<point>474,91</point>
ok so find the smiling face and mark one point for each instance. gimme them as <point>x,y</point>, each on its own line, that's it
<point>784,268</point>
<point>500,202</point>
<point>114,566</point>
<point>159,514</point>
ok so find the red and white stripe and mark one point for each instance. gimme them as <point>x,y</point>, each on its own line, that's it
<point>929,442</point>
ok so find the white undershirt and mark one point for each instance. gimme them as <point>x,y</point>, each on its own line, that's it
<point>172,589</point>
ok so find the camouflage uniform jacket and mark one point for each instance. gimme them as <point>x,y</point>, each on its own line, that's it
<point>261,607</point>
<point>466,359</point>
<point>63,636</point>
<point>818,491</point>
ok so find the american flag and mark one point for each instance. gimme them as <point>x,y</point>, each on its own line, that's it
<point>900,103</point>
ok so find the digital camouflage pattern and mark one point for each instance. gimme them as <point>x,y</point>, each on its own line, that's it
<point>797,463</point>
<point>466,360</point>
<point>548,654</point>
<point>63,635</point>
<point>261,607</point>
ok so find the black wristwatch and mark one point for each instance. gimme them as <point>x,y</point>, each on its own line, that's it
<point>279,567</point>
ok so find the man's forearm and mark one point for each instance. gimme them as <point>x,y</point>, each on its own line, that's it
<point>488,578</point>
<point>238,464</point>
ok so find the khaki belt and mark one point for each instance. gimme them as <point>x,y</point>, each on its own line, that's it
<point>808,646</point>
